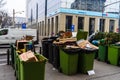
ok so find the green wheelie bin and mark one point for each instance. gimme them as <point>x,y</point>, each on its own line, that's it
<point>14,60</point>
<point>86,60</point>
<point>32,70</point>
<point>114,55</point>
<point>13,55</point>
<point>69,61</point>
<point>103,53</point>
<point>82,35</point>
<point>17,66</point>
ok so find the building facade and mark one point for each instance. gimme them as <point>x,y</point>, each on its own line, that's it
<point>53,16</point>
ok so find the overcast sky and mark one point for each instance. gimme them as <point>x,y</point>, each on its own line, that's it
<point>113,7</point>
<point>18,5</point>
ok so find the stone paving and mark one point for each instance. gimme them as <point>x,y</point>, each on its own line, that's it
<point>103,71</point>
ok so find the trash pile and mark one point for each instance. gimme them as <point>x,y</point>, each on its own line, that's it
<point>64,40</point>
<point>68,49</point>
<point>28,57</point>
<point>26,61</point>
<point>24,45</point>
<point>85,44</point>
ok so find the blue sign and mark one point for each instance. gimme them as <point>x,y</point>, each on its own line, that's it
<point>72,28</point>
<point>24,26</point>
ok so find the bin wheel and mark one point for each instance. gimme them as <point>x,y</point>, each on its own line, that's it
<point>119,64</point>
<point>60,70</point>
<point>14,73</point>
<point>119,61</point>
<point>108,62</point>
<point>98,59</point>
<point>16,78</point>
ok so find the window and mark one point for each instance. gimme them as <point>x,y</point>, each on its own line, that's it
<point>68,23</point>
<point>52,26</point>
<point>42,28</point>
<point>56,24</point>
<point>91,25</point>
<point>48,26</point>
<point>80,23</point>
<point>4,32</point>
<point>89,7</point>
<point>111,26</point>
<point>102,25</point>
<point>83,7</point>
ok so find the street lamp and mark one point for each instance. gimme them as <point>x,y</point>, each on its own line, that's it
<point>20,12</point>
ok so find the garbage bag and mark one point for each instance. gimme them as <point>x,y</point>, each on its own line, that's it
<point>95,42</point>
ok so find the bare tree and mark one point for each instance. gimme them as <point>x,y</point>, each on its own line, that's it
<point>5,20</point>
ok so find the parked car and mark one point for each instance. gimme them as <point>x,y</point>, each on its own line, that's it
<point>10,35</point>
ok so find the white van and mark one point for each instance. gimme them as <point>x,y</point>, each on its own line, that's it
<point>10,35</point>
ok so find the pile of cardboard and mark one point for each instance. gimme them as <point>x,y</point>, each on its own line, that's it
<point>20,43</point>
<point>28,57</point>
<point>71,46</point>
<point>63,34</point>
<point>64,40</point>
<point>29,37</point>
<point>71,39</point>
<point>86,44</point>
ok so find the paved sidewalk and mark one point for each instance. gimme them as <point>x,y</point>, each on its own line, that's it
<point>6,73</point>
<point>102,70</point>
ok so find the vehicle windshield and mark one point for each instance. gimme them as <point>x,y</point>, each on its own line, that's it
<point>3,32</point>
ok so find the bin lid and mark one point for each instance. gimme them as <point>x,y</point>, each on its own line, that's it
<point>46,38</point>
<point>50,40</point>
<point>115,45</point>
<point>53,37</point>
<point>71,50</point>
<point>88,50</point>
